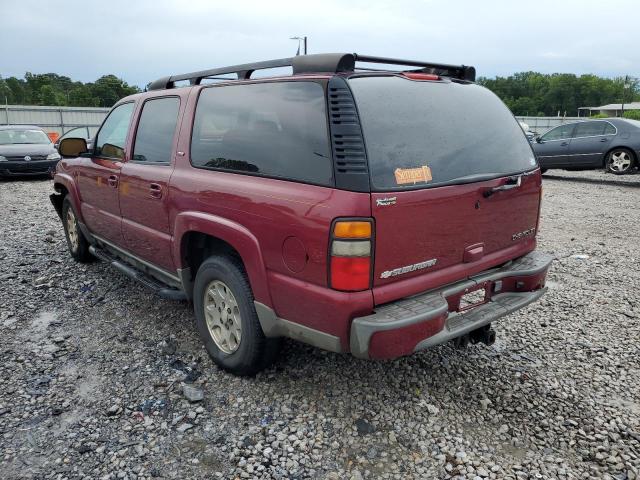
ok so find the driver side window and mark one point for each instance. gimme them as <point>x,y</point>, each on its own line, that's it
<point>559,133</point>
<point>112,136</point>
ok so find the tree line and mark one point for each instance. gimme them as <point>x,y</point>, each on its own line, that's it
<point>538,94</point>
<point>53,89</point>
<point>525,93</point>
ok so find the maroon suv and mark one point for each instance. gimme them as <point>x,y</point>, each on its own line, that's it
<point>372,211</point>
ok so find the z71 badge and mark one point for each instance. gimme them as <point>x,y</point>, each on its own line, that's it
<point>409,268</point>
<point>526,233</point>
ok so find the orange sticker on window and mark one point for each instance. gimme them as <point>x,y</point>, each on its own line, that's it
<point>412,175</point>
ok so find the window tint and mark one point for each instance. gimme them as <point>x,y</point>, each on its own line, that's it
<point>156,130</point>
<point>589,129</point>
<point>558,133</point>
<point>424,134</point>
<point>274,129</point>
<point>609,129</point>
<point>113,134</point>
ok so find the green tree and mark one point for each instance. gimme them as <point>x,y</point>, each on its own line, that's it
<point>54,89</point>
<point>532,93</point>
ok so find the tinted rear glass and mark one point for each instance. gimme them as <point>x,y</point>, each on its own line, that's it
<point>422,134</point>
<point>271,129</point>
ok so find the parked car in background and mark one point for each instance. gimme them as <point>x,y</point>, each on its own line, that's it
<point>530,134</point>
<point>87,133</point>
<point>613,144</point>
<point>26,150</point>
<point>338,207</point>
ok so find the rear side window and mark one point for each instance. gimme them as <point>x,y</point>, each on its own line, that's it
<point>156,130</point>
<point>610,129</point>
<point>559,133</point>
<point>422,134</point>
<point>113,133</point>
<point>589,129</point>
<point>271,129</point>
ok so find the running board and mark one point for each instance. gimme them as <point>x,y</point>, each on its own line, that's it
<point>159,288</point>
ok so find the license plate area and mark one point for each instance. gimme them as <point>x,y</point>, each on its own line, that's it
<point>474,297</point>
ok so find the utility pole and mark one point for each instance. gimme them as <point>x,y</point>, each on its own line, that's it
<point>624,86</point>
<point>304,43</point>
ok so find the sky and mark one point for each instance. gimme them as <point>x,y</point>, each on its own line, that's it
<point>141,40</point>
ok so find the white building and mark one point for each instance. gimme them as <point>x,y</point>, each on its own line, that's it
<point>612,110</point>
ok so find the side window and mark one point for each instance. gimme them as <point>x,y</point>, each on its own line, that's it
<point>589,129</point>
<point>609,129</point>
<point>156,130</point>
<point>273,129</point>
<point>113,133</point>
<point>558,133</point>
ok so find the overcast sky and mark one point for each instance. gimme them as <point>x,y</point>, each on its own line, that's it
<point>140,40</point>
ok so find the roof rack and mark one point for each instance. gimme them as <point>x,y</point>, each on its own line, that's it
<point>316,63</point>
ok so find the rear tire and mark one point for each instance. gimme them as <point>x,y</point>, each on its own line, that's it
<point>619,161</point>
<point>76,241</point>
<point>226,318</point>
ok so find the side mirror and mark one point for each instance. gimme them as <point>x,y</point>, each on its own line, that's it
<point>72,147</point>
<point>538,139</point>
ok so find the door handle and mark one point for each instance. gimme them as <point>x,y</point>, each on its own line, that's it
<point>603,139</point>
<point>564,144</point>
<point>155,190</point>
<point>113,181</point>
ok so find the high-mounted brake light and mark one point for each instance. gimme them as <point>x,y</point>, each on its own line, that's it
<point>350,252</point>
<point>420,76</point>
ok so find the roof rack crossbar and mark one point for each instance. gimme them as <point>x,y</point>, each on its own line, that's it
<point>317,63</point>
<point>462,72</point>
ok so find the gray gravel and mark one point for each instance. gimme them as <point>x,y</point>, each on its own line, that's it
<point>102,380</point>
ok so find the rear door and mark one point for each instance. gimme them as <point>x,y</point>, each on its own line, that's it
<point>144,183</point>
<point>99,176</point>
<point>552,149</point>
<point>590,141</point>
<point>436,151</point>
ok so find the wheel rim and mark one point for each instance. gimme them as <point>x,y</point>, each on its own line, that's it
<point>72,229</point>
<point>222,315</point>
<point>620,161</point>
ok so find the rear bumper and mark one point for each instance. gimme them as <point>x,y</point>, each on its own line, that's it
<point>425,320</point>
<point>33,168</point>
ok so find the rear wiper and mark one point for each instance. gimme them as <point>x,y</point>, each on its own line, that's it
<point>476,177</point>
<point>512,182</point>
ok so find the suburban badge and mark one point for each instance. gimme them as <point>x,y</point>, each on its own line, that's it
<point>526,233</point>
<point>409,268</point>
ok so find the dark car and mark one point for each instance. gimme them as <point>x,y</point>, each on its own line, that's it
<point>26,150</point>
<point>336,206</point>
<point>613,144</point>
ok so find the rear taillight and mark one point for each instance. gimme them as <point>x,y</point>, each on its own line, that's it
<point>350,252</point>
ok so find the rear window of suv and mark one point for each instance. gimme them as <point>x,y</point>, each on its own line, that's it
<point>421,134</point>
<point>276,129</point>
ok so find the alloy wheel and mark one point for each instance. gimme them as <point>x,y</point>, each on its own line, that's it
<point>620,161</point>
<point>222,316</point>
<point>72,230</point>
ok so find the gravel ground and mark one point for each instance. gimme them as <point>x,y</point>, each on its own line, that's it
<point>97,373</point>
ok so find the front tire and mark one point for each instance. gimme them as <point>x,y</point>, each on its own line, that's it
<point>619,161</point>
<point>226,318</point>
<point>76,241</point>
